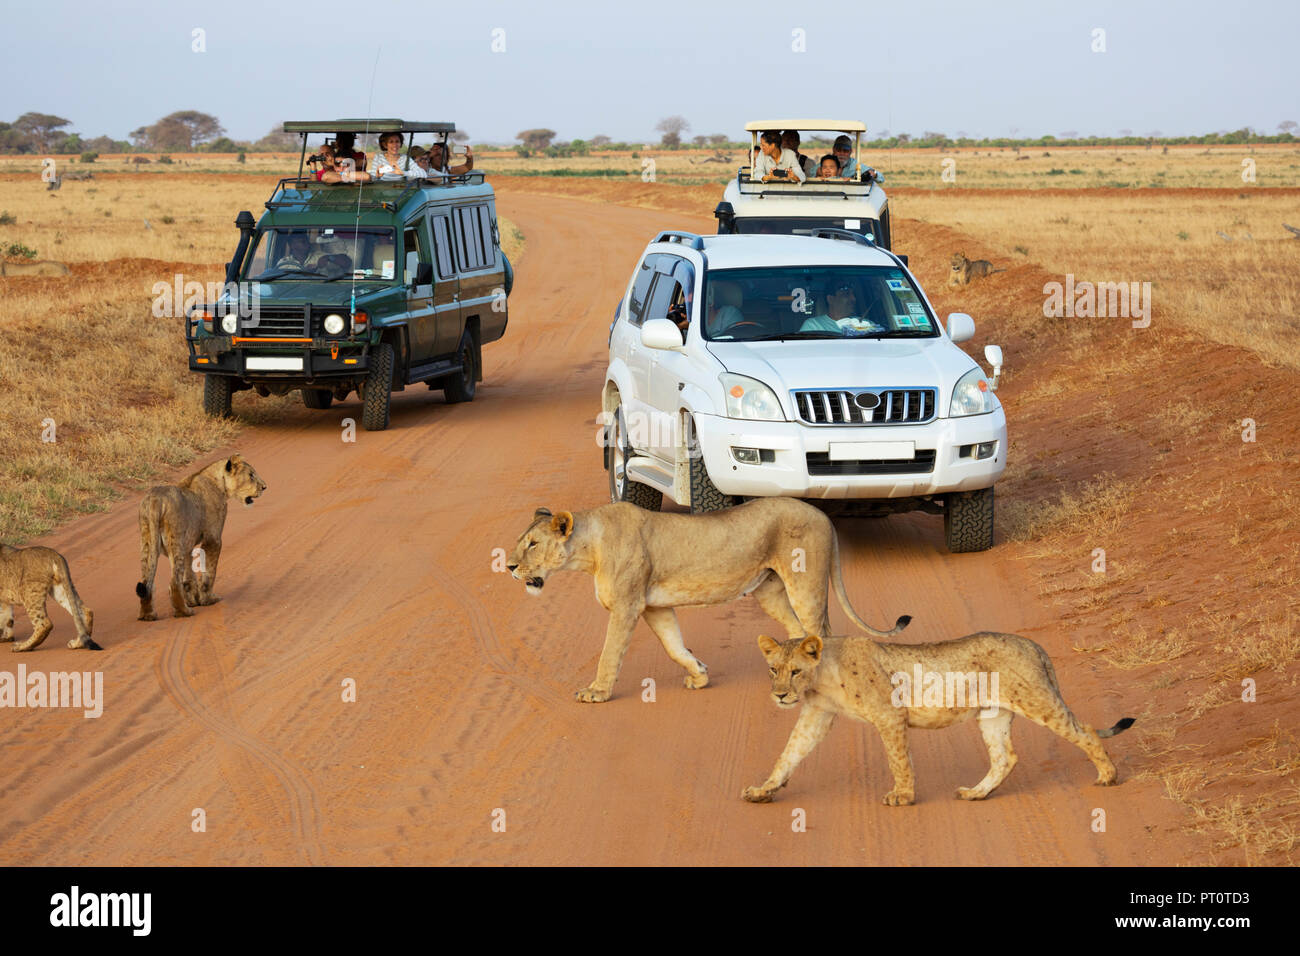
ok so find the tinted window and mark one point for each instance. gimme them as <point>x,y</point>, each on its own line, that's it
<point>487,230</point>
<point>442,247</point>
<point>415,248</point>
<point>667,291</point>
<point>640,289</point>
<point>473,226</point>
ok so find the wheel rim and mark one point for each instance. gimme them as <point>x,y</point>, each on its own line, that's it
<point>618,458</point>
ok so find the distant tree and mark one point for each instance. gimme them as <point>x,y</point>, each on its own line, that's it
<point>40,128</point>
<point>718,139</point>
<point>672,127</point>
<point>1287,126</point>
<point>278,141</point>
<point>460,136</point>
<point>1068,134</point>
<point>904,139</point>
<point>536,139</point>
<point>103,144</point>
<point>1126,132</point>
<point>202,127</point>
<point>600,139</point>
<point>223,144</point>
<point>700,140</point>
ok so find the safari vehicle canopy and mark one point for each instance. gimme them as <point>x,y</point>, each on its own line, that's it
<point>857,204</point>
<point>357,286</point>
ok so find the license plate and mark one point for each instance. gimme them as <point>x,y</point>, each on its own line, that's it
<point>274,363</point>
<point>872,450</point>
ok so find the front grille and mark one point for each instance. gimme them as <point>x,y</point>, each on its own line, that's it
<point>819,463</point>
<point>277,321</point>
<point>894,406</point>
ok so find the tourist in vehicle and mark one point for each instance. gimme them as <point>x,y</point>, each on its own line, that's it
<point>775,164</point>
<point>333,170</point>
<point>389,165</point>
<point>725,299</point>
<point>843,150</point>
<point>790,141</point>
<point>334,265</point>
<point>438,160</point>
<point>841,316</point>
<point>829,168</point>
<point>344,146</point>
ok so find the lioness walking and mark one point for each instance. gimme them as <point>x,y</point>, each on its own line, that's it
<point>876,683</point>
<point>27,577</point>
<point>646,563</point>
<point>46,267</point>
<point>185,522</point>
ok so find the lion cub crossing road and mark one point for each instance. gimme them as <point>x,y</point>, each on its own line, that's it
<point>858,677</point>
<point>646,563</point>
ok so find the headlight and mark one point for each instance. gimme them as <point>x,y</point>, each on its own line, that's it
<point>972,396</point>
<point>750,398</point>
<point>333,324</point>
<point>229,323</point>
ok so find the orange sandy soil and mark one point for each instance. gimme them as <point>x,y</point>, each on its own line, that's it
<point>372,561</point>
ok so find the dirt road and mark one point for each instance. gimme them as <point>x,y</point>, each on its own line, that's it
<point>372,562</point>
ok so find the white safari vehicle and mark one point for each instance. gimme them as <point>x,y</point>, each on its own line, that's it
<point>854,202</point>
<point>809,366</point>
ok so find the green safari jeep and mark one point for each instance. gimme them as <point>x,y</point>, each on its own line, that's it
<point>358,286</point>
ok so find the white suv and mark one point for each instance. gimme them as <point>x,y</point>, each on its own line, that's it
<point>810,366</point>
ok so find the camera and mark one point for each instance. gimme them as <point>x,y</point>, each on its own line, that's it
<point>316,158</point>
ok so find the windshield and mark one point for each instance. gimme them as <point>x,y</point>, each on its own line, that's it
<point>323,252</point>
<point>803,226</point>
<point>814,302</point>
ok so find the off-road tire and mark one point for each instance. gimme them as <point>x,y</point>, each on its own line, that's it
<point>641,495</point>
<point>318,398</point>
<point>461,386</point>
<point>216,395</point>
<point>704,494</point>
<point>378,389</point>
<point>968,521</point>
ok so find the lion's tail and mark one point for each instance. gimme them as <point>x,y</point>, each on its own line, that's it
<point>1050,670</point>
<point>1121,725</point>
<point>65,592</point>
<point>150,544</point>
<point>837,579</point>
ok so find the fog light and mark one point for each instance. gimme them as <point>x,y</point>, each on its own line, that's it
<point>333,324</point>
<point>985,449</point>
<point>753,456</point>
<point>229,323</point>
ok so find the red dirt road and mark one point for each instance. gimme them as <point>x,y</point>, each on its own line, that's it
<point>372,561</point>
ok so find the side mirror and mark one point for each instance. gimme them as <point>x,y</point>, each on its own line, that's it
<point>423,273</point>
<point>725,213</point>
<point>902,259</point>
<point>961,327</point>
<point>993,355</point>
<point>661,334</point>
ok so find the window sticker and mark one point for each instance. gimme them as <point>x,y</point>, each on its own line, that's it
<point>388,269</point>
<point>852,223</point>
<point>898,285</point>
<point>903,321</point>
<point>921,321</point>
<point>916,308</point>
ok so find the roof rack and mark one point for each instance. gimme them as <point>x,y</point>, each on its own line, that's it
<point>367,125</point>
<point>830,232</point>
<point>329,195</point>
<point>690,239</point>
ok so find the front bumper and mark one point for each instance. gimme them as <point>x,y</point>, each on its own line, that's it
<point>790,444</point>
<point>309,360</point>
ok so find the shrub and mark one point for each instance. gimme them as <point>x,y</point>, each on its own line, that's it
<point>18,249</point>
<point>522,151</point>
<point>1056,172</point>
<point>240,158</point>
<point>164,158</point>
<point>89,157</point>
<point>7,218</point>
<point>139,160</point>
<point>167,220</point>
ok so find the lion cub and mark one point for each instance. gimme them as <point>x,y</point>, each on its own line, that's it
<point>27,577</point>
<point>185,522</point>
<point>963,269</point>
<point>896,686</point>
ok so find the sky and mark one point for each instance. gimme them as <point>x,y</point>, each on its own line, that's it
<point>584,68</point>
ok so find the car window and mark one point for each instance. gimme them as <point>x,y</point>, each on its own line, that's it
<point>415,245</point>
<point>473,227</point>
<point>641,289</point>
<point>442,246</point>
<point>666,292</point>
<point>487,230</point>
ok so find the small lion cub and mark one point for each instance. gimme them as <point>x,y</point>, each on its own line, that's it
<point>897,686</point>
<point>27,577</point>
<point>963,269</point>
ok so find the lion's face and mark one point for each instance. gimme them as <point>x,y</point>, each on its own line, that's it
<point>242,481</point>
<point>793,666</point>
<point>958,261</point>
<point>541,549</point>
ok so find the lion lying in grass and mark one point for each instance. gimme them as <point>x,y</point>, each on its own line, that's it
<point>646,563</point>
<point>876,683</point>
<point>27,577</point>
<point>185,522</point>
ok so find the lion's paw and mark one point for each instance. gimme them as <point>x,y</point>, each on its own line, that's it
<point>148,617</point>
<point>1107,781</point>
<point>592,695</point>
<point>899,798</point>
<point>210,600</point>
<point>695,682</point>
<point>756,795</point>
<point>970,793</point>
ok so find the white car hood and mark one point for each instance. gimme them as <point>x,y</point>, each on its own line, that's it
<point>847,363</point>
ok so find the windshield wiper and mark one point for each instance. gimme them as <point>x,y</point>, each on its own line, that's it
<point>287,272</point>
<point>790,335</point>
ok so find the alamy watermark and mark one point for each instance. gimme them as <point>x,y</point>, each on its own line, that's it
<point>923,688</point>
<point>1085,300</point>
<point>72,689</point>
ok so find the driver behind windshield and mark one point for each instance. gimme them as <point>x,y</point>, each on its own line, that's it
<point>299,249</point>
<point>841,316</point>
